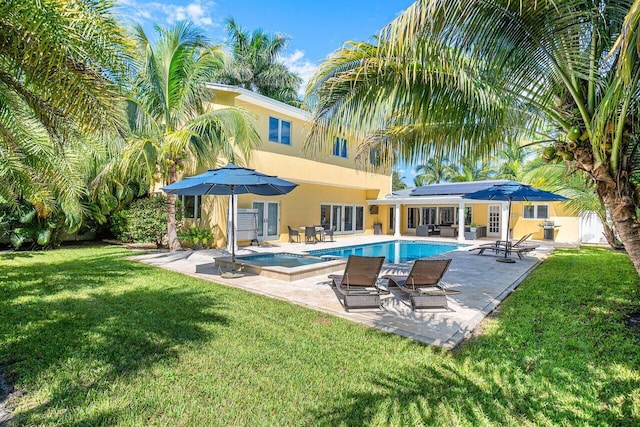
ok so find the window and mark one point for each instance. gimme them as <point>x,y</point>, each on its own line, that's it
<point>447,216</point>
<point>374,157</point>
<point>345,218</point>
<point>413,217</point>
<point>468,215</point>
<point>191,207</point>
<point>279,131</point>
<point>340,147</point>
<point>536,211</point>
<point>392,218</point>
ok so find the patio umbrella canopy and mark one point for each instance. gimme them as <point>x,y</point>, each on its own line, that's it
<point>513,190</point>
<point>230,180</point>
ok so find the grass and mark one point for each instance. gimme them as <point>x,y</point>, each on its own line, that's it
<point>90,338</point>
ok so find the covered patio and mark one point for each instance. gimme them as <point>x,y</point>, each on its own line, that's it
<point>495,209</point>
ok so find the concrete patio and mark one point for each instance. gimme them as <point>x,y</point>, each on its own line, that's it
<point>483,283</point>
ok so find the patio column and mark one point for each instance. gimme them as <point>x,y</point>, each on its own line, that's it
<point>396,219</point>
<point>504,233</point>
<point>461,222</point>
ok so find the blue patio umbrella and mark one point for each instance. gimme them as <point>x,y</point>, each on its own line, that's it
<point>229,181</point>
<point>513,190</point>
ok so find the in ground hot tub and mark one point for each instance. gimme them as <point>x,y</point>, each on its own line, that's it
<point>283,265</point>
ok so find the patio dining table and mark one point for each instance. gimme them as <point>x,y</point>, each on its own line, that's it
<point>319,232</point>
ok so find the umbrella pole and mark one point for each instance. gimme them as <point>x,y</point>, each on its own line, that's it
<point>233,232</point>
<point>506,243</point>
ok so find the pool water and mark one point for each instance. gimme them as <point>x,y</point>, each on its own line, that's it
<point>395,252</point>
<point>281,259</point>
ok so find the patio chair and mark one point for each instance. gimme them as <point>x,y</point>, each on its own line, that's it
<point>319,232</point>
<point>358,284</point>
<point>293,234</point>
<point>423,283</point>
<point>310,235</point>
<point>422,230</point>
<point>328,233</point>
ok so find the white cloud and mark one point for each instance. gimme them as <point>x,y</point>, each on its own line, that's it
<point>152,12</point>
<point>302,67</point>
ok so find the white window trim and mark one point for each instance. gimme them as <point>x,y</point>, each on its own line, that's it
<point>279,139</point>
<point>196,207</point>
<point>342,143</point>
<point>536,216</point>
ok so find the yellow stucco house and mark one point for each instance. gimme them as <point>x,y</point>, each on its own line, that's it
<point>333,191</point>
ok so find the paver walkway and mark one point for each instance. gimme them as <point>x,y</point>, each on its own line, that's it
<point>483,283</point>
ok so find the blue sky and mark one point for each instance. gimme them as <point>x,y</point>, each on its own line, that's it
<point>315,28</point>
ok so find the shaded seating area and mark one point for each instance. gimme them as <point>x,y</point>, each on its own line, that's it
<point>294,235</point>
<point>357,286</point>
<point>423,283</point>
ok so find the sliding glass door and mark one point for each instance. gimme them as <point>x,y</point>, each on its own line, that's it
<point>346,219</point>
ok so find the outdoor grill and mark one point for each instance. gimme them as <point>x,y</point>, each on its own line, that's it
<point>549,227</point>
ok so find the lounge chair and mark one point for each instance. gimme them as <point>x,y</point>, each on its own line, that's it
<point>310,235</point>
<point>423,283</point>
<point>500,247</point>
<point>358,284</point>
<point>293,234</point>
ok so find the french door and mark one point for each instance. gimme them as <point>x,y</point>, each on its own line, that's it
<point>493,226</point>
<point>345,218</point>
<point>268,219</point>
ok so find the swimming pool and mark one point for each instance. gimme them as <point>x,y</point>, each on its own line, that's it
<point>395,252</point>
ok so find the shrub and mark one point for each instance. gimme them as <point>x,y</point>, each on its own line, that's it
<point>145,221</point>
<point>196,238</point>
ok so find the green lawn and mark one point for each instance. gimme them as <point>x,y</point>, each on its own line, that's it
<point>90,338</point>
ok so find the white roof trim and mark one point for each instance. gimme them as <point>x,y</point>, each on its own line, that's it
<point>262,101</point>
<point>429,200</point>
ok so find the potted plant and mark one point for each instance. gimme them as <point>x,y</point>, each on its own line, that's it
<point>473,227</point>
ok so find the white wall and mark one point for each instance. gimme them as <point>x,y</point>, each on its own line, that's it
<point>591,229</point>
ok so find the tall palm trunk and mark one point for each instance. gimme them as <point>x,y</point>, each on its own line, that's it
<point>623,214</point>
<point>172,233</point>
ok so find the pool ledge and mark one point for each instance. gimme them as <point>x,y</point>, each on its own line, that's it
<point>287,274</point>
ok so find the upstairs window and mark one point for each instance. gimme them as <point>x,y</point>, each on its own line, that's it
<point>374,156</point>
<point>536,211</point>
<point>340,147</point>
<point>279,131</point>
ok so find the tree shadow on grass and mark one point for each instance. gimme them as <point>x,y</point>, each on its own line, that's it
<point>83,317</point>
<point>558,353</point>
<point>49,277</point>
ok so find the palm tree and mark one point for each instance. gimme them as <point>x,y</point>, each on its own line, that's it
<point>59,64</point>
<point>466,79</point>
<point>396,181</point>
<point>171,123</point>
<point>576,187</point>
<point>435,170</point>
<point>470,169</point>
<point>510,161</point>
<point>254,64</point>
